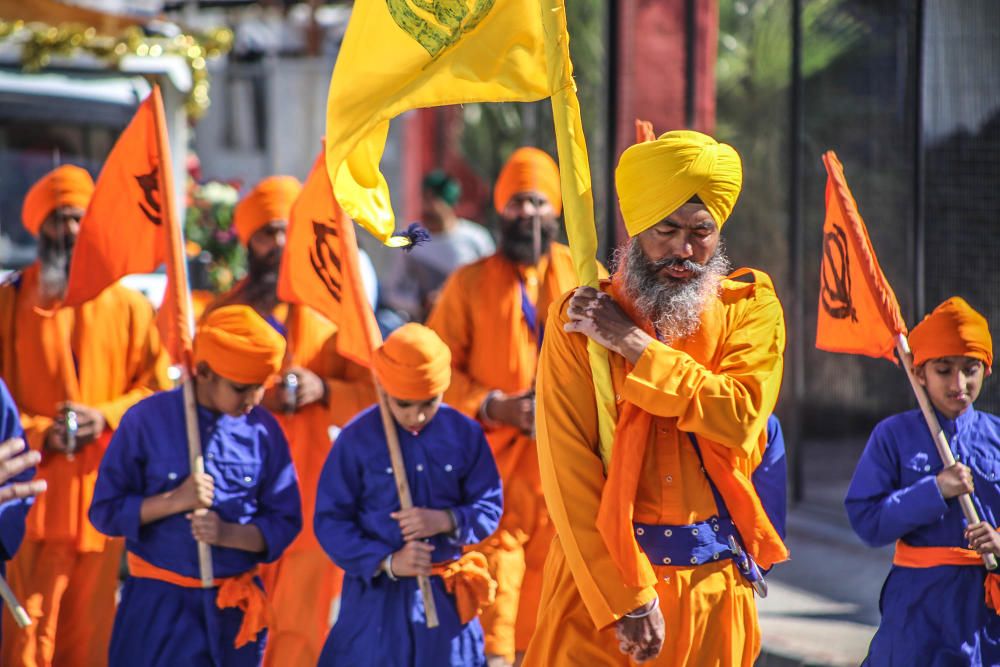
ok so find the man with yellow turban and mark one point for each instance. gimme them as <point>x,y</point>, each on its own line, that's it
<point>457,502</point>
<point>492,315</point>
<point>318,390</point>
<point>650,534</point>
<point>933,606</point>
<point>245,505</point>
<point>73,373</point>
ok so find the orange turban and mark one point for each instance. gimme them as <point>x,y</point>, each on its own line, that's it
<point>528,170</point>
<point>239,345</point>
<point>655,178</point>
<point>67,185</point>
<point>953,329</point>
<point>272,199</point>
<point>413,364</point>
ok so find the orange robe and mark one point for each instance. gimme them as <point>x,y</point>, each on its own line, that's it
<point>104,354</point>
<point>304,582</point>
<point>721,383</point>
<point>479,317</point>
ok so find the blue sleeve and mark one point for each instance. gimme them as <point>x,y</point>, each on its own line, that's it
<point>879,510</point>
<point>12,512</point>
<point>337,521</point>
<point>482,496</point>
<point>118,492</point>
<point>279,509</point>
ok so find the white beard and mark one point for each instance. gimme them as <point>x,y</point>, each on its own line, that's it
<point>674,307</point>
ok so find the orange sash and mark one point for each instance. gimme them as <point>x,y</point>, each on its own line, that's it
<point>240,591</point>
<point>910,556</point>
<point>469,580</point>
<point>614,515</point>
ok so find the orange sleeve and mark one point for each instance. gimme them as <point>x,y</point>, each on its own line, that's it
<point>572,472</point>
<point>452,320</point>
<point>730,406</point>
<point>147,361</point>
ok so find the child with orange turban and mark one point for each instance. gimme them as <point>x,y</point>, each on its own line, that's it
<point>457,502</point>
<point>245,504</point>
<point>934,610</point>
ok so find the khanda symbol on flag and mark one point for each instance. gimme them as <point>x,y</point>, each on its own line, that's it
<point>835,279</point>
<point>323,256</point>
<point>150,184</point>
<point>451,20</point>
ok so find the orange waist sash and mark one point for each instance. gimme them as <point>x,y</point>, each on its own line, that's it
<point>919,557</point>
<point>469,580</point>
<point>240,591</point>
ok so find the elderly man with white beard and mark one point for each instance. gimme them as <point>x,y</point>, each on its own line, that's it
<point>658,539</point>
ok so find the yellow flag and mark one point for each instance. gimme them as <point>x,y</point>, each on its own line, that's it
<point>399,55</point>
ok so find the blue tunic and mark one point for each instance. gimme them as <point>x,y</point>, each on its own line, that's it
<point>930,616</point>
<point>12,512</point>
<point>158,623</point>
<point>449,465</point>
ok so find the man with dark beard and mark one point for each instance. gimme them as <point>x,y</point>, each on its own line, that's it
<point>318,390</point>
<point>492,315</point>
<point>653,531</point>
<point>73,373</point>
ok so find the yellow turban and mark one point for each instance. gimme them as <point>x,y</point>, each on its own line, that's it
<point>239,345</point>
<point>528,170</point>
<point>272,199</point>
<point>413,364</point>
<point>953,329</point>
<point>63,186</point>
<point>655,178</point>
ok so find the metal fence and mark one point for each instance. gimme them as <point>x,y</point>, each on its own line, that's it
<point>906,92</point>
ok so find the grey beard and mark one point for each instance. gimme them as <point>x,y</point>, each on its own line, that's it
<point>674,307</point>
<point>53,274</point>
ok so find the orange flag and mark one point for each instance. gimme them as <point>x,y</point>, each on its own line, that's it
<point>858,311</point>
<point>131,226</point>
<point>122,230</point>
<point>320,267</point>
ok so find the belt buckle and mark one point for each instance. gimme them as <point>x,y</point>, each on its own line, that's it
<point>749,568</point>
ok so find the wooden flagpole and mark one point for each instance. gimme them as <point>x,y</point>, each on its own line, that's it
<point>940,439</point>
<point>177,279</point>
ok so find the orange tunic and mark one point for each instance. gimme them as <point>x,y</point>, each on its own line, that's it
<point>303,583</point>
<point>720,383</point>
<point>106,354</point>
<point>479,317</point>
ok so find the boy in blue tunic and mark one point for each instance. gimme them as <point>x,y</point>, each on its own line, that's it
<point>457,502</point>
<point>934,609</point>
<point>246,505</point>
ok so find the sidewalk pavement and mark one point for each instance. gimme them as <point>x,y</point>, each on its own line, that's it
<point>822,607</point>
